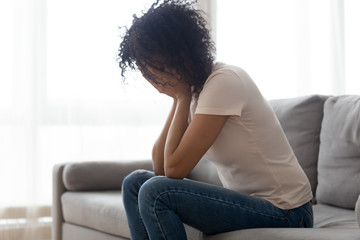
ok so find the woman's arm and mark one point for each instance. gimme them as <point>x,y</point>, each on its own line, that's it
<point>187,143</point>
<point>159,146</point>
<point>177,128</point>
<point>181,145</point>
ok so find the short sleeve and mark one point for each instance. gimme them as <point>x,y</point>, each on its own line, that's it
<point>223,93</point>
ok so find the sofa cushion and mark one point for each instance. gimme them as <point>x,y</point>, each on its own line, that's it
<point>301,119</point>
<point>330,223</point>
<point>289,234</point>
<point>339,155</point>
<point>102,211</point>
<point>76,232</point>
<point>84,176</point>
<point>326,216</point>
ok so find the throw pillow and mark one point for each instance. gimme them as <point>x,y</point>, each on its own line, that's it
<point>339,155</point>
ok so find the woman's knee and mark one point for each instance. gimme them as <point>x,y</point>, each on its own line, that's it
<point>152,192</point>
<point>135,179</point>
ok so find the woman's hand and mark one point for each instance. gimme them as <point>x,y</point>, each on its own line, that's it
<point>173,87</point>
<point>169,83</point>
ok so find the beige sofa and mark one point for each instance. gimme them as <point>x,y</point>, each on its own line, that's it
<point>324,132</point>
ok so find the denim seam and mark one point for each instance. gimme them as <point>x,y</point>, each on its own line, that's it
<point>156,216</point>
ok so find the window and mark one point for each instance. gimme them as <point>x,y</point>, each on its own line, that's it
<point>62,98</point>
<point>292,47</point>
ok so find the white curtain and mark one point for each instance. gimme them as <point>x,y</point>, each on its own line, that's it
<point>62,99</point>
<point>293,47</point>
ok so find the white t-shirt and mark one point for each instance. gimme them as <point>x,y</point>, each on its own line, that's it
<point>251,153</point>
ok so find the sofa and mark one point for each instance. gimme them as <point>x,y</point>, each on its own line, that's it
<point>324,132</point>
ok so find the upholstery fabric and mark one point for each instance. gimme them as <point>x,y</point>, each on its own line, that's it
<point>84,176</point>
<point>56,210</point>
<point>357,210</point>
<point>75,232</point>
<point>103,211</point>
<point>301,119</point>
<point>326,216</point>
<point>290,234</point>
<point>205,171</point>
<point>339,155</point>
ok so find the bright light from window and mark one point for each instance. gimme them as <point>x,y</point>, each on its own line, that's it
<point>292,47</point>
<point>352,46</point>
<point>259,37</point>
<point>6,56</point>
<point>82,45</point>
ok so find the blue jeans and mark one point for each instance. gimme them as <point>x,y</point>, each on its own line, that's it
<point>157,207</point>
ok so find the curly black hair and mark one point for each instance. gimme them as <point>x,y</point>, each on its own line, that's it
<point>170,35</point>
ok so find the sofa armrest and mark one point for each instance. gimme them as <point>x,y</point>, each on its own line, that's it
<point>85,176</point>
<point>58,190</point>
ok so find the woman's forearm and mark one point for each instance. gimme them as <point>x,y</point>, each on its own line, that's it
<point>159,146</point>
<point>176,132</point>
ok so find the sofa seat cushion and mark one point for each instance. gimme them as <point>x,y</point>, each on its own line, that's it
<point>301,119</point>
<point>330,223</point>
<point>289,234</point>
<point>326,216</point>
<point>339,155</point>
<point>75,232</point>
<point>102,211</point>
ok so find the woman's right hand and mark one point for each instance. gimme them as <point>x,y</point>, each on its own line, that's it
<point>169,83</point>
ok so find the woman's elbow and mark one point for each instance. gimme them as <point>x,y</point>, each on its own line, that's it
<point>172,172</point>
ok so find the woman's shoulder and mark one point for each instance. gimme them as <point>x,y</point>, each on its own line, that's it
<point>224,74</point>
<point>223,67</point>
<point>229,71</point>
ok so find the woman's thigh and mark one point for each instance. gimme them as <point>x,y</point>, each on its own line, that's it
<point>212,209</point>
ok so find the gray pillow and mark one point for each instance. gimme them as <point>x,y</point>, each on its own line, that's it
<point>301,119</point>
<point>85,176</point>
<point>339,155</point>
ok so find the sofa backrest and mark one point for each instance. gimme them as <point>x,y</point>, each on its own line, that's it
<point>205,171</point>
<point>301,119</point>
<point>339,156</point>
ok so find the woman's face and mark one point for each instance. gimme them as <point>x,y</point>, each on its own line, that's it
<point>162,75</point>
<point>166,81</point>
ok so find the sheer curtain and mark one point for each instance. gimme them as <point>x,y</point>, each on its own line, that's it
<point>292,47</point>
<point>62,99</point>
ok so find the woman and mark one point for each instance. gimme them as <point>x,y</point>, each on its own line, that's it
<point>218,113</point>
